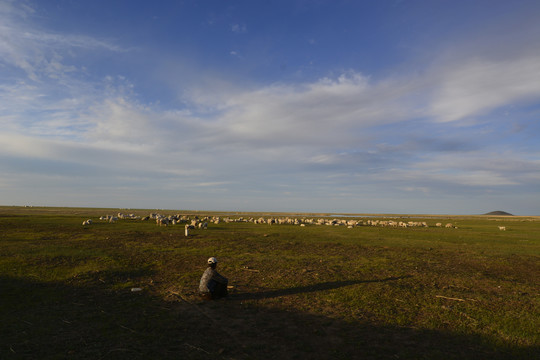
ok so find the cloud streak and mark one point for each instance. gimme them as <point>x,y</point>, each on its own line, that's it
<point>38,52</point>
<point>480,85</point>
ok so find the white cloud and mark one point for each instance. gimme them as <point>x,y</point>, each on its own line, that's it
<point>235,54</point>
<point>325,112</point>
<point>65,41</point>
<point>239,28</point>
<point>477,169</point>
<point>40,53</point>
<point>480,85</point>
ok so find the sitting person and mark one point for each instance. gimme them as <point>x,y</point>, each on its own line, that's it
<point>213,285</point>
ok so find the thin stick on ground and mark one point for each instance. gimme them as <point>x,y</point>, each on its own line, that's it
<point>449,298</point>
<point>197,348</point>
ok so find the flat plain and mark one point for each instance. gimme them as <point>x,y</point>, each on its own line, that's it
<point>300,292</point>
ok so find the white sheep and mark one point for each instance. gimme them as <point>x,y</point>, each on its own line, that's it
<point>163,222</point>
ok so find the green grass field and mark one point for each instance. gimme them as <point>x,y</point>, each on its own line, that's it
<point>313,292</point>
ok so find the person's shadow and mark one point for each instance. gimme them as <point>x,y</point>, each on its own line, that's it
<point>309,288</point>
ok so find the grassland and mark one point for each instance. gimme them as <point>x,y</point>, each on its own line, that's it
<point>313,292</point>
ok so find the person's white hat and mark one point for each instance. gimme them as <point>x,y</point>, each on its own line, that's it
<point>212,260</point>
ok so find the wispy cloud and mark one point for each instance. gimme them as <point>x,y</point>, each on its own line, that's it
<point>325,112</point>
<point>481,85</point>
<point>239,28</point>
<point>39,52</point>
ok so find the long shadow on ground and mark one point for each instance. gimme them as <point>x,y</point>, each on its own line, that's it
<point>41,320</point>
<point>311,288</point>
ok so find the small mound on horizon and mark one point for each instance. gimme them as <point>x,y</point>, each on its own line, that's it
<point>498,212</point>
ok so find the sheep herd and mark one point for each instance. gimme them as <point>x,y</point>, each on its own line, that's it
<point>192,222</point>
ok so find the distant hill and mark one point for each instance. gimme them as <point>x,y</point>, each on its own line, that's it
<point>498,212</point>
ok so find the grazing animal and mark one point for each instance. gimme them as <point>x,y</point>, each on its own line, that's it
<point>109,218</point>
<point>502,228</point>
<point>87,222</point>
<point>163,222</point>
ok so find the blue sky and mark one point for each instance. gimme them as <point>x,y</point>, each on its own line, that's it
<point>317,106</point>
